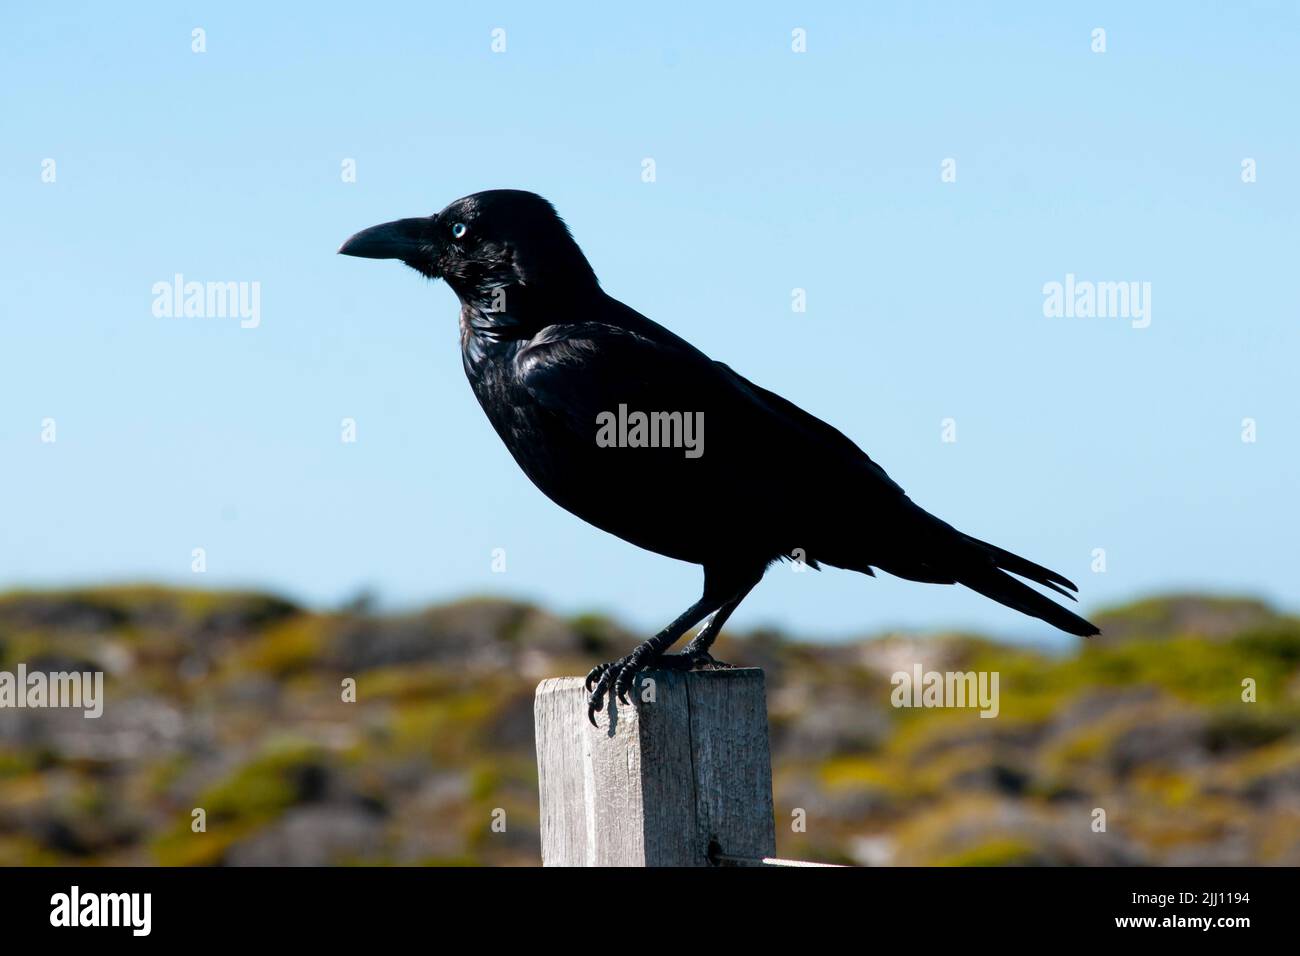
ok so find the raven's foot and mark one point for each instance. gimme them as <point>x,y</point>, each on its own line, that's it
<point>615,679</point>
<point>690,660</point>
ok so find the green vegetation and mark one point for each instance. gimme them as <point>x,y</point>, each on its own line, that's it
<point>239,705</point>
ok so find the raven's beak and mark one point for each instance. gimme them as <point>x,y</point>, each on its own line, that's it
<point>392,240</point>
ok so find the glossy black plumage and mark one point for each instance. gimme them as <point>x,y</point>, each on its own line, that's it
<point>548,353</point>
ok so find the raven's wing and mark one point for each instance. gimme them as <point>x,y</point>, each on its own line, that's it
<point>812,428</point>
<point>755,438</point>
<point>578,371</point>
<point>859,517</point>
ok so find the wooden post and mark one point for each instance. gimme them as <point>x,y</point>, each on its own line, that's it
<point>682,775</point>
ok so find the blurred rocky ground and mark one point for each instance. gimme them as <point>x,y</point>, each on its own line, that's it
<point>234,703</point>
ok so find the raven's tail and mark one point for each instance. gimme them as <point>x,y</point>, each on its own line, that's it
<point>986,573</point>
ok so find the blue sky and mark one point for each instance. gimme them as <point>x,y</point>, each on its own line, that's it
<point>774,170</point>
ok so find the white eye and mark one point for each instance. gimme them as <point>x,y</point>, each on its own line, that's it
<point>458,231</point>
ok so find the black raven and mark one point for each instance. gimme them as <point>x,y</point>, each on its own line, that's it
<point>634,430</point>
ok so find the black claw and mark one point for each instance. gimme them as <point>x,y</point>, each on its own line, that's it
<point>595,674</point>
<point>616,679</point>
<point>596,701</point>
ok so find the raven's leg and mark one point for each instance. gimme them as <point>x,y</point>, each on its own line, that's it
<point>696,652</point>
<point>722,592</point>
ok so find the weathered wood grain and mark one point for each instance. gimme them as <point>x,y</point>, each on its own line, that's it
<point>656,784</point>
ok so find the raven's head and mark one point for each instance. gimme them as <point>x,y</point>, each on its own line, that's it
<point>499,239</point>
